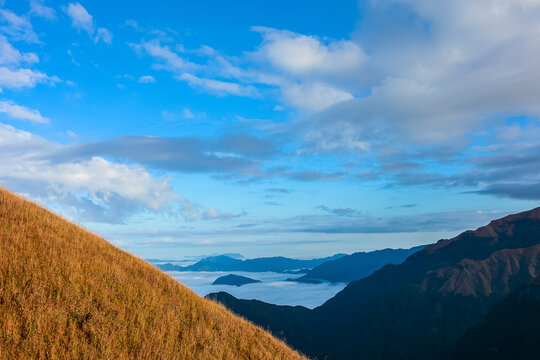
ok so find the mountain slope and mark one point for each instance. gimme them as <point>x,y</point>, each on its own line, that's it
<point>509,331</point>
<point>419,309</point>
<point>226,263</point>
<point>66,293</point>
<point>356,266</point>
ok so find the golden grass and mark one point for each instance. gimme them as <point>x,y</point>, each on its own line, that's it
<point>68,294</point>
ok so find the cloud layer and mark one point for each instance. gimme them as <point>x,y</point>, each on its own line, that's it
<point>90,187</point>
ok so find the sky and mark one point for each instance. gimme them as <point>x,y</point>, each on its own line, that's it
<point>295,128</point>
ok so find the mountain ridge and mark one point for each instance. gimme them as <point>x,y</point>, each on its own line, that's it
<point>357,265</point>
<point>420,308</point>
<point>226,263</point>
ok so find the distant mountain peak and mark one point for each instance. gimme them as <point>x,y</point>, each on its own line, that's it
<point>235,280</point>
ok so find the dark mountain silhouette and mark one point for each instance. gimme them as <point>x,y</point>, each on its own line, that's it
<point>235,280</point>
<point>511,330</point>
<point>225,263</point>
<point>415,310</point>
<point>356,266</point>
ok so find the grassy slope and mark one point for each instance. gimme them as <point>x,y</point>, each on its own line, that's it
<point>66,293</point>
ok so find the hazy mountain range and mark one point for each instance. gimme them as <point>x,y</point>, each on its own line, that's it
<point>226,263</point>
<point>336,268</point>
<point>356,266</point>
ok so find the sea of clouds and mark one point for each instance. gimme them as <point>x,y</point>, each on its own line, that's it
<point>273,288</point>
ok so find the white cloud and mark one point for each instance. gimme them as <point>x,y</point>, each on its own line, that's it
<point>170,60</point>
<point>29,166</point>
<point>23,78</point>
<point>83,21</point>
<point>146,79</point>
<point>187,114</point>
<point>169,116</point>
<point>113,179</point>
<point>224,67</point>
<point>133,24</point>
<point>191,212</point>
<point>303,67</point>
<point>304,55</point>
<point>92,188</point>
<point>38,9</point>
<point>177,61</point>
<point>103,35</point>
<point>18,142</point>
<point>19,112</point>
<point>411,86</point>
<point>80,18</point>
<point>335,139</point>
<point>312,74</point>
<point>218,87</point>
<point>173,116</point>
<point>471,64</point>
<point>11,56</point>
<point>313,97</point>
<point>17,27</point>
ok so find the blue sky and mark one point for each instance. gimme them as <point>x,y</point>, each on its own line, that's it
<point>271,128</point>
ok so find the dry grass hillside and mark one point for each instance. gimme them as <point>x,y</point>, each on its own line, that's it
<point>68,294</point>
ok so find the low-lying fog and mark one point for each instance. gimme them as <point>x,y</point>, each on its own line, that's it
<point>273,287</point>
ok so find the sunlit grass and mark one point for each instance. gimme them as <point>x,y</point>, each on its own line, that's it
<point>67,293</point>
